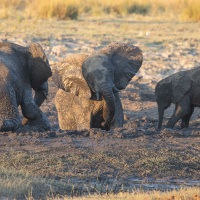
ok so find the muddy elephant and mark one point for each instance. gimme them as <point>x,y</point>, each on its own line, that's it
<point>92,84</point>
<point>21,70</point>
<point>109,71</point>
<point>181,89</point>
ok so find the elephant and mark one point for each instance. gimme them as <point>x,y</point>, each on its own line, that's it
<point>108,72</point>
<point>21,70</point>
<point>89,85</point>
<point>181,89</point>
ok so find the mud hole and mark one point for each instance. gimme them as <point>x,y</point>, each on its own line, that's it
<point>136,155</point>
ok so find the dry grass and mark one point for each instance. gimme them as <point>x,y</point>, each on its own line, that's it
<point>191,11</point>
<point>77,172</point>
<point>182,194</point>
<point>52,9</point>
<point>18,184</point>
<point>61,9</point>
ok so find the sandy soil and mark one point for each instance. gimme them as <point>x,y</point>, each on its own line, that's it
<point>136,153</point>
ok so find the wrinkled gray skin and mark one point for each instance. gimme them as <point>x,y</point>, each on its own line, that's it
<point>94,78</point>
<point>21,70</point>
<point>109,71</point>
<point>40,95</point>
<point>181,89</point>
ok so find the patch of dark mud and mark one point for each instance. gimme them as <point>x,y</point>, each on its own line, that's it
<point>31,132</point>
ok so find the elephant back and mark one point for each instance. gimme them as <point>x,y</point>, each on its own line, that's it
<point>67,75</point>
<point>181,84</point>
<point>127,60</point>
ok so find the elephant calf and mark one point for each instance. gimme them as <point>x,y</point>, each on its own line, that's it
<point>181,89</point>
<point>21,70</point>
<point>91,84</point>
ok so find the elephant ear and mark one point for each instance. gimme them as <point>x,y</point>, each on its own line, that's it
<point>39,67</point>
<point>181,84</point>
<point>67,75</point>
<point>127,60</point>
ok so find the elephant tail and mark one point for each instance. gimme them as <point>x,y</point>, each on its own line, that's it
<point>160,116</point>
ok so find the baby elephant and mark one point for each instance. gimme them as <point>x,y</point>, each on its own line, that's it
<point>181,89</point>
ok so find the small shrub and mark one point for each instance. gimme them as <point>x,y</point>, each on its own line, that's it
<point>139,9</point>
<point>112,9</point>
<point>72,12</point>
<point>62,11</point>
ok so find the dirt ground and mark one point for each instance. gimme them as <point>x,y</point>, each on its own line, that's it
<point>136,155</point>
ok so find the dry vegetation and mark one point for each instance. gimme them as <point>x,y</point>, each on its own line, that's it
<point>72,9</point>
<point>182,194</point>
<point>69,164</point>
<point>41,165</point>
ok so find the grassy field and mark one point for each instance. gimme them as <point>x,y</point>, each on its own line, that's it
<point>182,194</point>
<point>19,185</point>
<point>69,9</point>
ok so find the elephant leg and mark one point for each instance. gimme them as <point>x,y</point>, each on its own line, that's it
<point>9,114</point>
<point>186,118</point>
<point>74,113</point>
<point>160,116</point>
<point>119,114</point>
<point>30,110</point>
<point>64,105</point>
<point>33,116</point>
<point>97,114</point>
<point>39,99</point>
<point>33,113</point>
<point>182,109</point>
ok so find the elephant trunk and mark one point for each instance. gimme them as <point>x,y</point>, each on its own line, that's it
<point>41,94</point>
<point>39,97</point>
<point>160,116</point>
<point>107,93</point>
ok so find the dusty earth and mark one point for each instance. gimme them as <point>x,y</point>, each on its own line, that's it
<point>136,155</point>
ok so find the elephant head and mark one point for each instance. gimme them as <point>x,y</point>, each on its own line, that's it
<point>39,68</point>
<point>110,70</point>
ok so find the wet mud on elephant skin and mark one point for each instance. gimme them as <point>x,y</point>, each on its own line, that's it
<point>101,76</point>
<point>22,69</point>
<point>181,89</point>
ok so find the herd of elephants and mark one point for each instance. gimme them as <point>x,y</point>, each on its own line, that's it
<point>88,88</point>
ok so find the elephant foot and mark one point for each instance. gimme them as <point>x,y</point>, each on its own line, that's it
<point>158,128</point>
<point>170,125</point>
<point>10,125</point>
<point>184,125</point>
<point>105,126</point>
<point>42,123</point>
